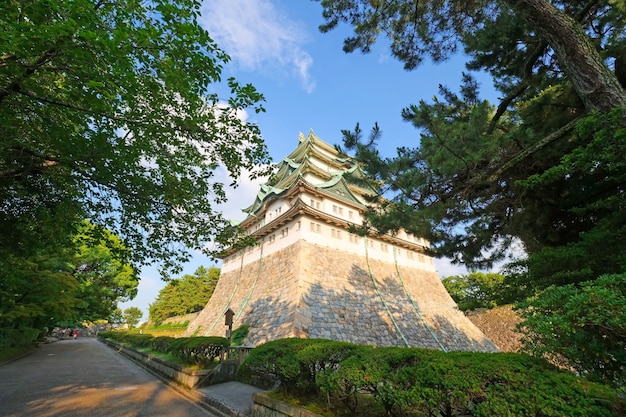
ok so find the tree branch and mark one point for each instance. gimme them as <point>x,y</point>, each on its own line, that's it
<point>532,149</point>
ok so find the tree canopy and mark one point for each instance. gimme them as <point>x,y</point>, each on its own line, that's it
<point>131,316</point>
<point>115,112</point>
<point>530,167</point>
<point>477,290</point>
<point>83,282</point>
<point>184,295</point>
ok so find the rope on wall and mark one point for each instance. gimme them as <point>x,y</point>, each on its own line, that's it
<point>245,301</point>
<point>232,295</point>
<point>395,324</point>
<point>414,304</point>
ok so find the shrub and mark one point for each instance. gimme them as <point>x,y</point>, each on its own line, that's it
<point>239,335</point>
<point>585,325</point>
<point>422,382</point>
<point>198,350</point>
<point>296,363</point>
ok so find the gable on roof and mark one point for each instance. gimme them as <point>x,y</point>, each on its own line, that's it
<point>320,166</point>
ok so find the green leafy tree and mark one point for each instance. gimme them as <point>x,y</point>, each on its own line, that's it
<point>37,291</point>
<point>117,317</point>
<point>543,166</point>
<point>112,112</point>
<point>583,327</point>
<point>83,282</point>
<point>188,294</point>
<point>102,267</point>
<point>131,316</point>
<point>476,290</point>
<point>484,175</point>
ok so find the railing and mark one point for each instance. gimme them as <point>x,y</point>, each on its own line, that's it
<point>235,353</point>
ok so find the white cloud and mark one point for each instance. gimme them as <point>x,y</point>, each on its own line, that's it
<point>259,37</point>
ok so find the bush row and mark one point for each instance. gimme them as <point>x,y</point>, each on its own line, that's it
<point>201,351</point>
<point>18,338</point>
<point>363,380</point>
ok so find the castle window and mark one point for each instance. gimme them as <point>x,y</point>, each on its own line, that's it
<point>350,214</point>
<point>420,258</point>
<point>338,210</point>
<point>354,238</point>
<point>297,225</point>
<point>315,204</point>
<point>315,227</point>
<point>384,247</point>
<point>409,254</point>
<point>370,243</point>
<point>335,233</point>
<point>272,238</point>
<point>284,232</point>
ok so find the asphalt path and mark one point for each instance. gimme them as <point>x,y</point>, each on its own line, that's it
<point>83,377</point>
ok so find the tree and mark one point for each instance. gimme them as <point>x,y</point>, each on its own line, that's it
<point>419,29</point>
<point>476,290</point>
<point>102,268</point>
<point>583,326</point>
<point>131,316</point>
<point>83,282</point>
<point>36,291</point>
<point>188,294</point>
<point>472,184</point>
<point>111,112</point>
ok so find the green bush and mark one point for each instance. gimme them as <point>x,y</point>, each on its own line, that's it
<point>239,335</point>
<point>200,351</point>
<point>421,382</point>
<point>162,343</point>
<point>296,363</point>
<point>585,325</point>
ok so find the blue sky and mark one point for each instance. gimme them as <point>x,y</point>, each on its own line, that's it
<point>310,83</point>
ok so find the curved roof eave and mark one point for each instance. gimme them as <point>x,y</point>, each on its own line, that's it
<point>301,208</point>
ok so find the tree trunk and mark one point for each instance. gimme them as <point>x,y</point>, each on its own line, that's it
<point>594,82</point>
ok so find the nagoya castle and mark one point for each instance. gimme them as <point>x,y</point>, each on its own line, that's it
<point>309,277</point>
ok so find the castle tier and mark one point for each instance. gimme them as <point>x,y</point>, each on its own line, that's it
<point>309,277</point>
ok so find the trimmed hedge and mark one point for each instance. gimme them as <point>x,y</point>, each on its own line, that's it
<point>297,363</point>
<point>201,351</point>
<point>363,380</point>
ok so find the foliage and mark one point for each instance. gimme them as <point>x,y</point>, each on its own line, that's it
<point>188,294</point>
<point>66,286</point>
<point>590,179</point>
<point>102,267</point>
<point>239,335</point>
<point>36,291</point>
<point>463,185</point>
<point>422,382</point>
<point>201,351</point>
<point>296,363</point>
<point>15,342</point>
<point>583,326</point>
<point>112,112</point>
<point>477,290</point>
<point>18,338</point>
<point>131,316</point>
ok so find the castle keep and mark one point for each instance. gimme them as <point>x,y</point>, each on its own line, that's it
<point>309,277</point>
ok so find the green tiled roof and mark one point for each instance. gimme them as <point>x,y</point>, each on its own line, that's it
<point>314,158</point>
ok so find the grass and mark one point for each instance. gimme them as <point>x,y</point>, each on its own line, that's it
<point>165,330</point>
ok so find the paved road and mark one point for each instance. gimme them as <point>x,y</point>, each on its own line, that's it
<point>83,377</point>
